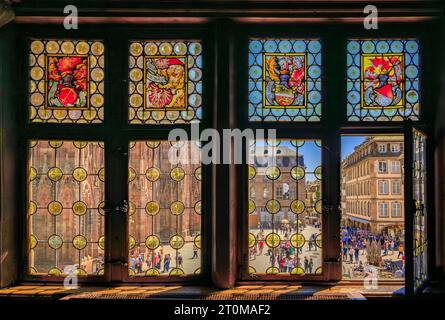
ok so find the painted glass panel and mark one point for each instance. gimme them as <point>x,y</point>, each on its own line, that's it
<point>285,207</point>
<point>66,222</point>
<point>165,82</point>
<point>419,193</point>
<point>285,80</point>
<point>66,81</point>
<point>165,208</point>
<point>383,80</point>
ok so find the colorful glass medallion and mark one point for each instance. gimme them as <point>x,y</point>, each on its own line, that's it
<point>383,80</point>
<point>66,81</point>
<point>284,80</point>
<point>165,82</point>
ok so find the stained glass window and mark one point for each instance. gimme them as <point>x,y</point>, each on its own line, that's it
<point>165,82</point>
<point>419,192</point>
<point>65,216</point>
<point>285,207</point>
<point>383,80</point>
<point>285,80</point>
<point>165,208</point>
<point>66,81</point>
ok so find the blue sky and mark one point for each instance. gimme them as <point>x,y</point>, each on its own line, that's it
<point>348,143</point>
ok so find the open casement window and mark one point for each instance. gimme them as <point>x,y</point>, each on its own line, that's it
<point>295,194</point>
<point>420,209</point>
<point>109,197</point>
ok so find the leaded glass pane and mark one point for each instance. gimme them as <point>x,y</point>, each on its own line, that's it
<point>383,80</point>
<point>285,80</point>
<point>66,222</point>
<point>165,208</point>
<point>419,193</point>
<point>66,81</point>
<point>285,207</point>
<point>165,82</point>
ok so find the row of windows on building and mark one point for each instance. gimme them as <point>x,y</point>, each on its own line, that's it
<point>383,166</point>
<point>363,208</point>
<point>382,148</point>
<point>363,188</point>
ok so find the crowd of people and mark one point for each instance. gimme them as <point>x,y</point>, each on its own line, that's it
<point>285,256</point>
<point>374,248</point>
<point>158,259</point>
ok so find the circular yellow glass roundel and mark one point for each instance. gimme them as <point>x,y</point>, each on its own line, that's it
<point>80,242</point>
<point>177,208</point>
<point>79,208</point>
<point>318,206</point>
<point>273,240</point>
<point>176,272</point>
<point>55,144</point>
<point>131,174</point>
<point>136,49</point>
<point>318,271</point>
<point>97,48</point>
<point>197,271</point>
<point>152,272</point>
<point>176,242</point>
<point>272,270</point>
<point>198,173</point>
<point>273,173</point>
<point>101,242</point>
<point>32,208</point>
<point>273,206</point>
<point>152,208</point>
<point>67,47</point>
<point>317,172</point>
<point>180,48</point>
<point>165,48</point>
<point>32,173</point>
<point>297,271</point>
<point>318,240</point>
<point>55,174</point>
<point>55,208</point>
<point>151,48</point>
<point>252,206</point>
<point>197,241</point>
<point>152,174</point>
<point>153,144</point>
<point>80,174</point>
<point>297,173</point>
<point>152,242</point>
<point>80,144</point>
<point>197,207</point>
<point>131,208</point>
<point>32,241</point>
<point>82,47</point>
<point>297,206</point>
<point>252,172</point>
<point>131,242</point>
<point>177,174</point>
<point>297,240</point>
<point>252,240</point>
<point>54,272</point>
<point>55,241</point>
<point>101,174</point>
<point>37,47</point>
<point>251,270</point>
